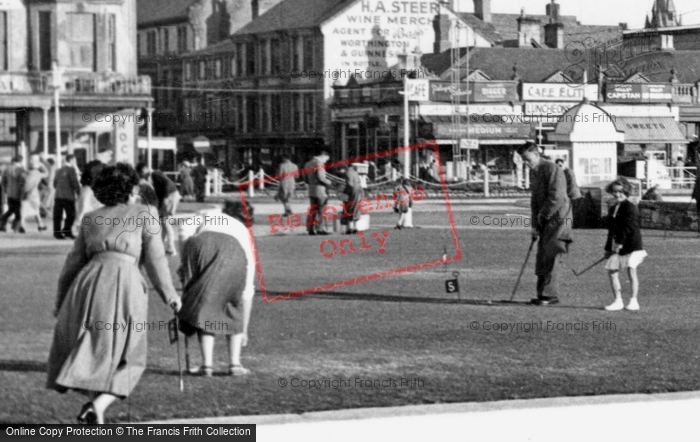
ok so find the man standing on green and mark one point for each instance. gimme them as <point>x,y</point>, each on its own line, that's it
<point>551,221</point>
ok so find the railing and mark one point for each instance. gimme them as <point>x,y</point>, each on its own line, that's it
<point>685,94</point>
<point>75,83</point>
<point>682,177</point>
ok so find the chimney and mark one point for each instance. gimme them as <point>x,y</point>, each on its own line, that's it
<point>554,35</point>
<point>482,9</point>
<point>441,27</point>
<point>255,7</point>
<point>552,10</point>
<point>528,30</point>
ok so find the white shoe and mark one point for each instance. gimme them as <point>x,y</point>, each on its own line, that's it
<point>615,306</point>
<point>633,305</point>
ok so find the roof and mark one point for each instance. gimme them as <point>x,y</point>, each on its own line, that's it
<point>641,130</point>
<point>294,14</point>
<point>151,11</point>
<point>503,29</point>
<point>536,65</point>
<point>224,46</point>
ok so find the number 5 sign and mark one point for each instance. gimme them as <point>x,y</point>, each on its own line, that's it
<point>452,285</point>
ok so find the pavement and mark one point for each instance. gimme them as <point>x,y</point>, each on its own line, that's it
<point>642,417</point>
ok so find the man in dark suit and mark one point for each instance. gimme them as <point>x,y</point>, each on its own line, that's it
<point>67,190</point>
<point>318,195</point>
<point>199,179</point>
<point>551,221</point>
<point>13,186</point>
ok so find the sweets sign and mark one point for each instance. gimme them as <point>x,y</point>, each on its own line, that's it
<point>371,35</point>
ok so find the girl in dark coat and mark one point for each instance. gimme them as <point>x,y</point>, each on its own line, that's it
<point>624,245</point>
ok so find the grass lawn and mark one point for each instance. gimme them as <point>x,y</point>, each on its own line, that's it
<point>403,326</point>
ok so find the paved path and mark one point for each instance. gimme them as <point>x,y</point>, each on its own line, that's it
<point>638,417</point>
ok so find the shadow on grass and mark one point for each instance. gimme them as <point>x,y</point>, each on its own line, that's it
<point>419,299</point>
<point>15,365</point>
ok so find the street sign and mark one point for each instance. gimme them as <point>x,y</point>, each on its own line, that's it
<point>470,144</point>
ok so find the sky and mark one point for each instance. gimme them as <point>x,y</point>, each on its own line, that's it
<point>599,12</point>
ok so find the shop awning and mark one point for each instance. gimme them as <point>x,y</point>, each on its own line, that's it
<point>647,130</point>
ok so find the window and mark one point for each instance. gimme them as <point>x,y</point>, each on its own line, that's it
<point>263,58</point>
<point>239,60</point>
<point>81,40</point>
<point>295,52</point>
<point>296,113</point>
<point>265,105</point>
<point>251,113</point>
<point>202,70</point>
<point>276,112</point>
<point>233,65</point>
<point>275,56</point>
<point>240,115</point>
<point>308,53</point>
<point>151,43</point>
<point>182,39</point>
<point>166,41</point>
<point>44,50</point>
<point>3,41</point>
<point>188,71</point>
<point>111,43</point>
<point>250,58</point>
<point>217,69</point>
<point>309,112</point>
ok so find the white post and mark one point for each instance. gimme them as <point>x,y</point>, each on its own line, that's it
<point>46,133</point>
<point>406,129</point>
<point>262,177</point>
<point>149,139</point>
<point>526,173</point>
<point>486,182</point>
<point>251,187</point>
<point>56,89</point>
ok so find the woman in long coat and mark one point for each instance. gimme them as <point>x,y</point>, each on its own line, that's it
<point>100,286</point>
<point>31,199</point>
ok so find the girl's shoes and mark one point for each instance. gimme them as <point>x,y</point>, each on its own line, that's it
<point>237,370</point>
<point>633,305</point>
<point>202,371</point>
<point>616,306</point>
<point>41,228</point>
<point>88,415</point>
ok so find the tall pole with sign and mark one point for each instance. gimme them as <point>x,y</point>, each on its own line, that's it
<point>406,128</point>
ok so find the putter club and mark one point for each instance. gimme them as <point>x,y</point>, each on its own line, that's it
<point>522,269</point>
<point>589,267</point>
<point>179,365</point>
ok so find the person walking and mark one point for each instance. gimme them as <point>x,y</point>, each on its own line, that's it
<point>48,192</point>
<point>199,179</point>
<point>623,247</point>
<point>67,190</point>
<point>551,221</point>
<point>13,186</point>
<point>31,199</point>
<point>218,272</point>
<point>168,200</point>
<point>101,283</point>
<point>186,182</point>
<point>285,193</point>
<point>318,195</point>
<point>87,201</point>
<point>402,203</point>
<point>354,192</point>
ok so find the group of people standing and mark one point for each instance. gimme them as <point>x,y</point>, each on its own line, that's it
<point>101,283</point>
<point>193,181</point>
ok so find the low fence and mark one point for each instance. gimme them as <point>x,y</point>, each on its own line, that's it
<point>668,216</point>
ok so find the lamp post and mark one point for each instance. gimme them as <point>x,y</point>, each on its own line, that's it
<point>149,148</point>
<point>56,83</point>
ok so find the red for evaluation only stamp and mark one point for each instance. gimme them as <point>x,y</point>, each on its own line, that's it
<point>328,246</point>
